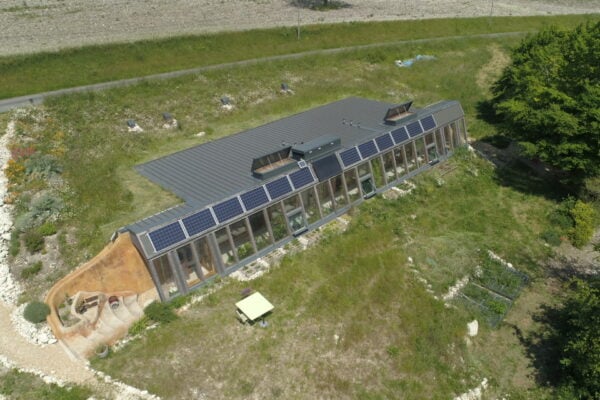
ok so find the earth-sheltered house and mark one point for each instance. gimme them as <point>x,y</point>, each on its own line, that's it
<point>248,194</point>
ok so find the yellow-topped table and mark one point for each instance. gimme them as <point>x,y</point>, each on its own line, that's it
<point>254,306</point>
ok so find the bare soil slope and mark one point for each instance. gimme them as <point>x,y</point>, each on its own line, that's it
<point>40,25</point>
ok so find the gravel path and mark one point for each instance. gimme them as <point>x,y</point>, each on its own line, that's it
<point>50,360</point>
<point>41,25</point>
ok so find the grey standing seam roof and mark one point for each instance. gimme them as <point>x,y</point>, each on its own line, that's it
<point>211,172</point>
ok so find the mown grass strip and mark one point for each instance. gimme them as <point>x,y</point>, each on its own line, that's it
<point>26,74</point>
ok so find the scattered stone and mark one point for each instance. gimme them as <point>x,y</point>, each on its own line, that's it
<point>38,334</point>
<point>453,290</point>
<point>496,257</point>
<point>200,134</point>
<point>475,393</point>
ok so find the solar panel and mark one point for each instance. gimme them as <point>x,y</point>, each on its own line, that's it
<point>350,156</point>
<point>279,187</point>
<point>367,149</point>
<point>301,178</point>
<point>166,236</point>
<point>428,123</point>
<point>198,222</point>
<point>254,198</point>
<point>228,209</point>
<point>414,129</point>
<point>384,142</point>
<point>327,167</point>
<point>400,135</point>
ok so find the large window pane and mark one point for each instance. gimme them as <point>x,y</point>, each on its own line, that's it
<point>187,260</point>
<point>278,224</point>
<point>439,142</point>
<point>411,158</point>
<point>420,145</point>
<point>258,223</point>
<point>311,207</point>
<point>377,168</point>
<point>205,256</point>
<point>455,135</point>
<point>339,193</point>
<point>400,161</point>
<point>325,198</point>
<point>388,165</point>
<point>448,138</point>
<point>241,239</point>
<point>352,185</point>
<point>291,203</point>
<point>166,278</point>
<point>363,169</point>
<point>225,248</point>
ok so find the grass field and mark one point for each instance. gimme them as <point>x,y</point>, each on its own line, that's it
<point>22,75</point>
<point>395,339</point>
<point>88,134</point>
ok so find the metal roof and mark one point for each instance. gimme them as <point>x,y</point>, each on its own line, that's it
<point>211,172</point>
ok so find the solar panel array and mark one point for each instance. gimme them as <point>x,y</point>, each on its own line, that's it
<point>198,222</point>
<point>301,178</point>
<point>414,129</point>
<point>384,142</point>
<point>228,209</point>
<point>428,123</point>
<point>400,135</point>
<point>368,149</point>
<point>350,156</point>
<point>254,198</point>
<point>166,236</point>
<point>279,187</point>
<point>204,220</point>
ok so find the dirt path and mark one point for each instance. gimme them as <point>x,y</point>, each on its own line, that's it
<point>43,25</point>
<point>50,360</point>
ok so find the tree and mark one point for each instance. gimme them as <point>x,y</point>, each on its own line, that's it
<point>578,338</point>
<point>548,98</point>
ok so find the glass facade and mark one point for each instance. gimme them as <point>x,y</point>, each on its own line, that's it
<point>263,230</point>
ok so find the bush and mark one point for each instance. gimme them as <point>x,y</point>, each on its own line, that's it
<point>42,165</point>
<point>551,237</point>
<point>584,217</point>
<point>160,312</point>
<point>32,270</point>
<point>139,326</point>
<point>36,312</point>
<point>15,243</point>
<point>34,242</point>
<point>47,229</point>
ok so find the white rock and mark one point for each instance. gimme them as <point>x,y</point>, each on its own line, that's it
<point>473,329</point>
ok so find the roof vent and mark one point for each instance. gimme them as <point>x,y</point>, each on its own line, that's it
<point>316,148</point>
<point>396,113</point>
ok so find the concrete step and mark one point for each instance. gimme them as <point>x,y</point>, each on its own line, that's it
<point>123,313</point>
<point>133,306</point>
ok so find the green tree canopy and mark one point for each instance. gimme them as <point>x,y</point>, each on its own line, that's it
<point>548,98</point>
<point>578,335</point>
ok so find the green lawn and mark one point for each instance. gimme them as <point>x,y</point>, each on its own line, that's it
<point>395,339</point>
<point>28,74</point>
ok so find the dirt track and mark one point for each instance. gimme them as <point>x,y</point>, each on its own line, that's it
<point>38,25</point>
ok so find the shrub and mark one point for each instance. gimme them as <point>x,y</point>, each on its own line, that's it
<point>551,237</point>
<point>15,243</point>
<point>139,326</point>
<point>47,229</point>
<point>584,216</point>
<point>32,270</point>
<point>160,312</point>
<point>42,165</point>
<point>36,312</point>
<point>34,242</point>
